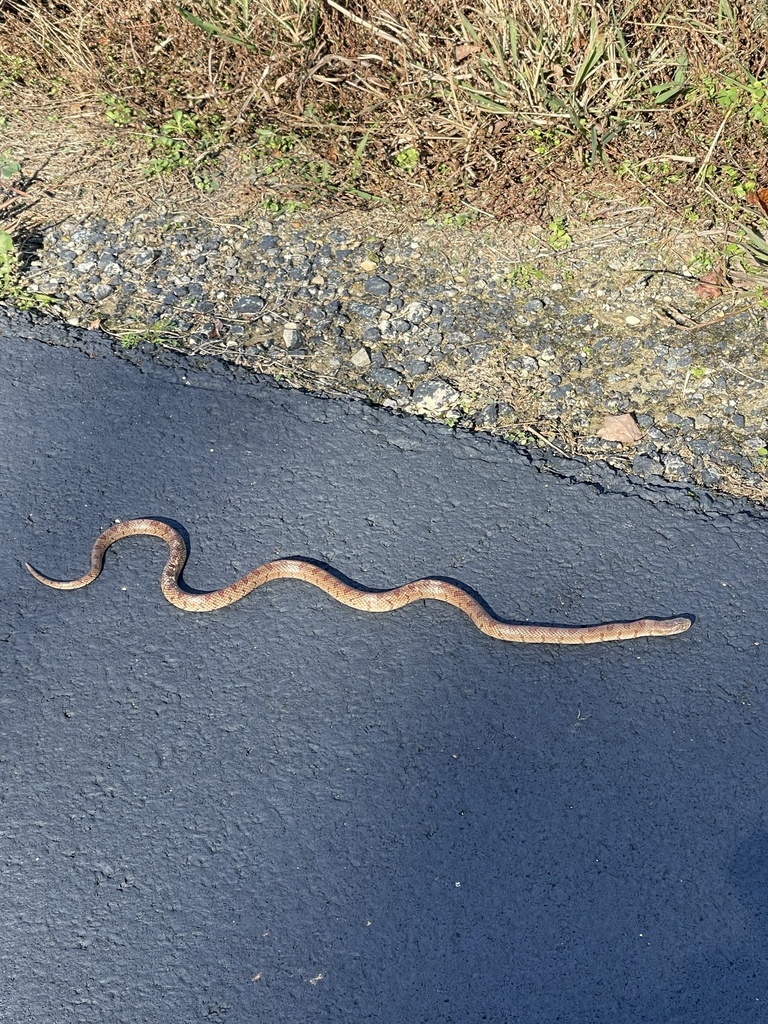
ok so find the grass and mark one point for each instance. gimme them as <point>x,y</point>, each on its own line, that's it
<point>490,104</point>
<point>133,336</point>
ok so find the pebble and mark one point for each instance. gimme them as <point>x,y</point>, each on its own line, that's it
<point>291,335</point>
<point>361,359</point>
<point>249,304</point>
<point>389,379</point>
<point>435,396</point>
<point>377,286</point>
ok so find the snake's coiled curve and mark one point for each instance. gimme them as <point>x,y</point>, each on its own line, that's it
<point>355,597</point>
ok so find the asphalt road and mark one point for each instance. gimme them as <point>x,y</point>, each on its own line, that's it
<point>289,811</point>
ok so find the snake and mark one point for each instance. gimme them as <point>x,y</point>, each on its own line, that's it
<point>349,594</point>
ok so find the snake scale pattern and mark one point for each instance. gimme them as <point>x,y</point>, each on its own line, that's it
<point>355,597</point>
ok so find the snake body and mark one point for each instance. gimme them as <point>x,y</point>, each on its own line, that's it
<point>355,597</point>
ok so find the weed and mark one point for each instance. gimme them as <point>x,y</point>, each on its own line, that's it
<point>7,256</point>
<point>8,168</point>
<point>523,275</point>
<point>519,437</point>
<point>185,142</point>
<point>269,141</point>
<point>116,110</point>
<point>453,220</point>
<point>154,332</point>
<point>702,262</point>
<point>407,159</point>
<point>749,95</point>
<point>277,207</point>
<point>545,140</point>
<point>558,237</point>
<point>504,96</point>
<point>468,402</point>
<point>228,21</point>
<point>14,69</point>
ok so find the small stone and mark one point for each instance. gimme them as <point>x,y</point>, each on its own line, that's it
<point>416,312</point>
<point>415,367</point>
<point>249,304</point>
<point>457,338</point>
<point>389,379</point>
<point>291,335</point>
<point>674,467</point>
<point>377,286</point>
<point>101,291</point>
<point>701,447</point>
<point>487,416</point>
<point>361,359</point>
<point>477,354</point>
<point>632,321</point>
<point>643,465</point>
<point>724,458</point>
<point>368,266</point>
<point>435,396</point>
<point>533,306</point>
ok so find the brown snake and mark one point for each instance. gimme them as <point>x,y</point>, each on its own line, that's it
<point>355,597</point>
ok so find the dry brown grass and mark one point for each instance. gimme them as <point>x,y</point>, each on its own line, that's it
<point>506,105</point>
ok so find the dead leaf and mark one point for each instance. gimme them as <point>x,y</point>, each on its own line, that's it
<point>759,198</point>
<point>620,428</point>
<point>464,51</point>
<point>709,286</point>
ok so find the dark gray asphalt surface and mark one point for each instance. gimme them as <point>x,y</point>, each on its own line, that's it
<point>288,811</point>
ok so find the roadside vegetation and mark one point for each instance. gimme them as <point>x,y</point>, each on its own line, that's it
<point>502,107</point>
